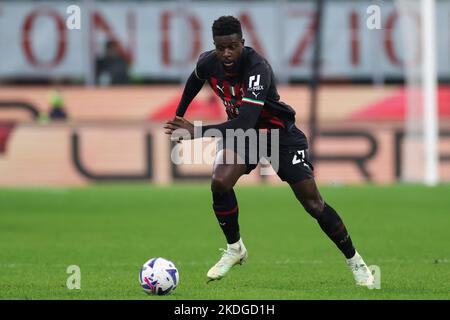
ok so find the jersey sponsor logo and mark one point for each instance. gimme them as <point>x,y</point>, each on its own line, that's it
<point>299,157</point>
<point>253,83</point>
<point>256,94</point>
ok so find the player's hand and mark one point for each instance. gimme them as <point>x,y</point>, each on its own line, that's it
<point>186,131</point>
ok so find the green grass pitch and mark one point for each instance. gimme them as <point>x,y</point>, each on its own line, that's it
<point>109,231</point>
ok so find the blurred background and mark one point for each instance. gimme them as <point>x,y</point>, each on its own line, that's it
<point>85,86</point>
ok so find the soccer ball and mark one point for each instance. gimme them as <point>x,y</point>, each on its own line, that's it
<point>159,276</point>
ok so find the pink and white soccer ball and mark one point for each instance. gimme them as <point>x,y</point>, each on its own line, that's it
<point>159,276</point>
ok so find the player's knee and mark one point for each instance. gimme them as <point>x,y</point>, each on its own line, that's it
<point>220,184</point>
<point>314,207</point>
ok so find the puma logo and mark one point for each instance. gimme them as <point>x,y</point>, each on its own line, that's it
<point>256,94</point>
<point>220,88</point>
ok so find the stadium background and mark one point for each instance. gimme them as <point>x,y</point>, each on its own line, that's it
<point>133,200</point>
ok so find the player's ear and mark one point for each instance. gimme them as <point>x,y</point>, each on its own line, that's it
<point>242,41</point>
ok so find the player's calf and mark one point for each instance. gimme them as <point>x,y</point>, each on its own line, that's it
<point>333,226</point>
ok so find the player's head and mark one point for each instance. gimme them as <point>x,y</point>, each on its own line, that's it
<point>227,36</point>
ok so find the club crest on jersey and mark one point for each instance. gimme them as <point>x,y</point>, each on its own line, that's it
<point>253,83</point>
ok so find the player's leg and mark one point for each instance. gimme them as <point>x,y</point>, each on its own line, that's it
<point>329,221</point>
<point>225,175</point>
<point>332,225</point>
<point>296,169</point>
<point>225,204</point>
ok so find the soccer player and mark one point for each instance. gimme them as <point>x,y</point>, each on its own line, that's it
<point>245,82</point>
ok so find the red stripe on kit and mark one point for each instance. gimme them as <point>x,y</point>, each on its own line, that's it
<point>225,213</point>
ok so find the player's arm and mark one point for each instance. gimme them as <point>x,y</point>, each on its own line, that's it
<point>247,118</point>
<point>194,83</point>
<point>257,83</point>
<point>193,86</point>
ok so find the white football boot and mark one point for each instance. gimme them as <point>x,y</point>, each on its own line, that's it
<point>363,276</point>
<point>236,253</point>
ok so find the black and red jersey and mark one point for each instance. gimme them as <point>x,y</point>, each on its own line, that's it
<point>249,94</point>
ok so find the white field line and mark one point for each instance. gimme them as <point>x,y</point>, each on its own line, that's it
<point>255,262</point>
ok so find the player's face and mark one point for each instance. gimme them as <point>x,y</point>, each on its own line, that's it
<point>228,49</point>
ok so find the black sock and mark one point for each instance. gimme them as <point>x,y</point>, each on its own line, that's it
<point>226,209</point>
<point>332,225</point>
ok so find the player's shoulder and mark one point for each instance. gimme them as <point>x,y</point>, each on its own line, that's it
<point>206,64</point>
<point>207,57</point>
<point>254,60</point>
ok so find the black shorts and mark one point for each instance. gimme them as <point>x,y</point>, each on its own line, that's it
<point>292,165</point>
